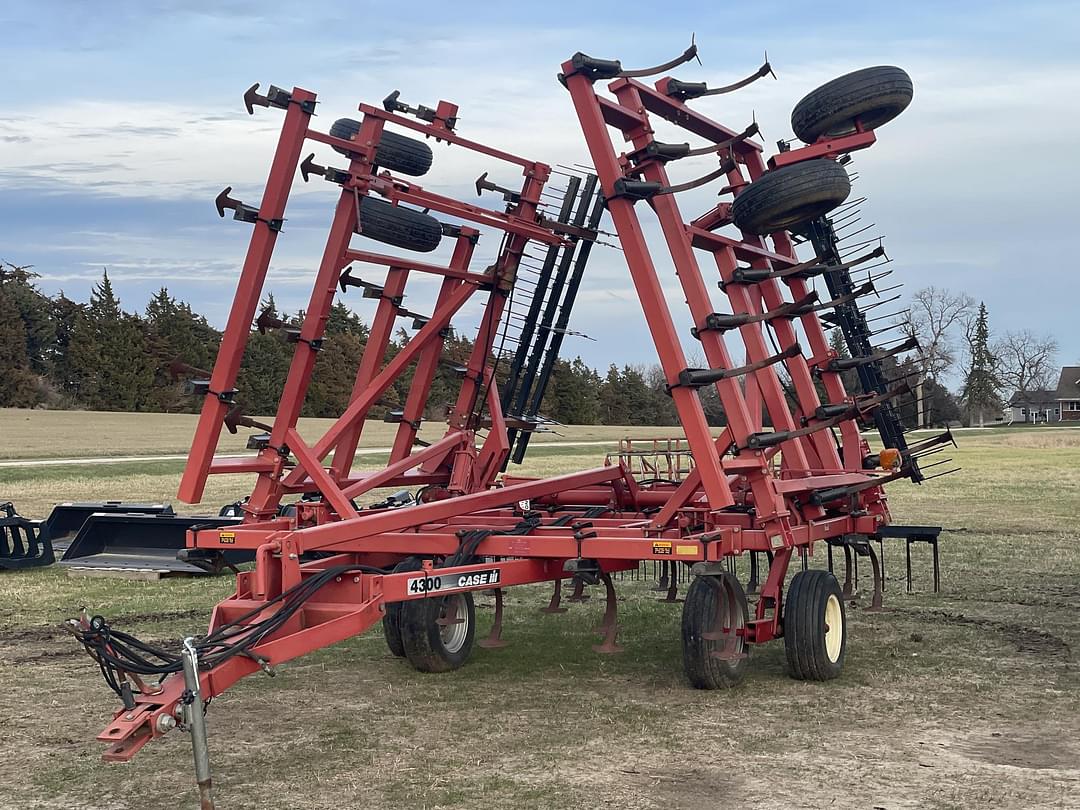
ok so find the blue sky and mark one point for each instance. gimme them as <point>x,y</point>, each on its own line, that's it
<point>123,120</point>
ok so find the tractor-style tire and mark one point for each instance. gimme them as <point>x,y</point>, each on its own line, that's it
<point>433,647</point>
<point>703,669</point>
<point>873,95</point>
<point>391,623</point>
<point>398,226</point>
<point>815,626</point>
<point>784,198</point>
<point>394,152</point>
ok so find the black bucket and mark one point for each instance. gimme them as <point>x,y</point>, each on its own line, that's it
<point>149,542</point>
<point>65,520</point>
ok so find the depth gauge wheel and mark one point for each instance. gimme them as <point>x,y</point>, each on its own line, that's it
<point>394,152</point>
<point>815,626</point>
<point>398,226</point>
<point>784,198</point>
<point>391,623</point>
<point>437,633</point>
<point>873,95</point>
<point>714,655</point>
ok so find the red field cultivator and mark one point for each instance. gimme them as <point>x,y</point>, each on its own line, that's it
<point>327,568</point>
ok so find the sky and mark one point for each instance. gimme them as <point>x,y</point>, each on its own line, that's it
<point>123,120</point>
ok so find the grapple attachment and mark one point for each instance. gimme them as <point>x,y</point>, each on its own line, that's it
<point>22,543</point>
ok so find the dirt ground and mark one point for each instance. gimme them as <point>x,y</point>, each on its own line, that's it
<point>967,698</point>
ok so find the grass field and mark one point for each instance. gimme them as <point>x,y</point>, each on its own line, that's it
<point>968,698</point>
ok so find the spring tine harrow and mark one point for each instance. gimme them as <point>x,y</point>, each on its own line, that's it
<point>681,509</point>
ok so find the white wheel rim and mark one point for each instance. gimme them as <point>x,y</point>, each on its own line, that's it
<point>834,628</point>
<point>453,635</point>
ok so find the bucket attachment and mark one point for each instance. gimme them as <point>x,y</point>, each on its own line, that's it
<point>65,520</point>
<point>22,542</point>
<point>132,541</point>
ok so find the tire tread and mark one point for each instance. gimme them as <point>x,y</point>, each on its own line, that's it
<point>883,91</point>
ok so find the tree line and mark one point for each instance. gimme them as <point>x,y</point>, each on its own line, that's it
<point>59,353</point>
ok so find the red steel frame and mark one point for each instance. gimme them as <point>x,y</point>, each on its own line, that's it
<point>704,518</point>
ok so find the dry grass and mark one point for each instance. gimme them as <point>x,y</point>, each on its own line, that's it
<point>965,699</point>
<point>89,434</point>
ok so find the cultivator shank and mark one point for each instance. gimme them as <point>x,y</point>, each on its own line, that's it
<point>328,567</point>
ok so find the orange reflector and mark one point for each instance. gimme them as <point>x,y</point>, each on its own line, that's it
<point>889,459</point>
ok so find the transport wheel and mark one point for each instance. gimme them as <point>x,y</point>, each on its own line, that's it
<point>873,95</point>
<point>395,152</point>
<point>391,623</point>
<point>437,633</point>
<point>714,657</point>
<point>815,626</point>
<point>401,227</point>
<point>784,198</point>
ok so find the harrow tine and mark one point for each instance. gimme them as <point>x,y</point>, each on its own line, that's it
<point>681,59</point>
<point>848,205</point>
<point>684,91</point>
<point>850,221</point>
<point>855,233</point>
<point>925,467</point>
<point>726,166</point>
<point>855,246</point>
<point>882,302</point>
<point>942,474</point>
<point>872,277</point>
<point>941,438</point>
<point>891,315</point>
<point>844,217</point>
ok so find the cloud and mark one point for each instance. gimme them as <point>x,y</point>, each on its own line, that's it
<point>122,156</point>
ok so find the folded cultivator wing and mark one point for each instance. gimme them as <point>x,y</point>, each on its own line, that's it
<point>328,568</point>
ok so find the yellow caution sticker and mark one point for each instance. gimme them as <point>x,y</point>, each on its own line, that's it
<point>227,538</point>
<point>662,547</point>
<point>686,549</point>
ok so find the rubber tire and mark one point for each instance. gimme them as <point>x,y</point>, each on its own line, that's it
<point>394,152</point>
<point>804,626</point>
<point>421,637</point>
<point>391,623</point>
<point>784,198</point>
<point>398,226</point>
<point>874,95</point>
<point>704,670</point>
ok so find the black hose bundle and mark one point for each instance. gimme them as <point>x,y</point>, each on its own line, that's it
<point>118,653</point>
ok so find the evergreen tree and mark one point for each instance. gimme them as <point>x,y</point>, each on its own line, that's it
<point>108,350</point>
<point>612,405</point>
<point>981,386</point>
<point>63,373</point>
<point>264,367</point>
<point>573,397</point>
<point>34,312</point>
<point>335,371</point>
<point>175,332</point>
<point>17,389</point>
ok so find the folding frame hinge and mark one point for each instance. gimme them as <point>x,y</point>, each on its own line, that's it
<point>243,213</point>
<point>275,97</point>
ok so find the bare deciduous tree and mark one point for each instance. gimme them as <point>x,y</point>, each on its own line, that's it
<point>1026,361</point>
<point>935,314</point>
<point>933,318</point>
